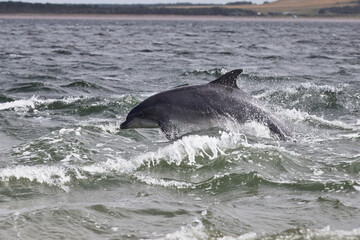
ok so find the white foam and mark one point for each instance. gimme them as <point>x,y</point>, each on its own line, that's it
<point>188,147</point>
<point>186,150</point>
<point>307,86</point>
<point>183,150</point>
<point>246,236</point>
<point>18,104</point>
<point>26,104</point>
<point>298,115</point>
<point>325,233</point>
<point>258,129</point>
<point>51,175</point>
<point>314,87</point>
<point>112,127</point>
<point>189,232</point>
<point>294,114</point>
<point>162,182</point>
<point>197,230</point>
<point>118,165</point>
<point>65,131</point>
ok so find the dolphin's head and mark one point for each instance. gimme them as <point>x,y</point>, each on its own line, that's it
<point>140,117</point>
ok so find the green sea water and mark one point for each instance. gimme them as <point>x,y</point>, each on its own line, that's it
<point>67,171</point>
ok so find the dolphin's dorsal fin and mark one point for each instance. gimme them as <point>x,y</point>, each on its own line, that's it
<point>228,79</point>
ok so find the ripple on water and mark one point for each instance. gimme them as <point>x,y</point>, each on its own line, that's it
<point>68,170</point>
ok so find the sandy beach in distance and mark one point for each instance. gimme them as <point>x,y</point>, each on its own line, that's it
<point>171,17</point>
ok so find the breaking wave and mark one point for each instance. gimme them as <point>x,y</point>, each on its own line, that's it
<point>74,157</point>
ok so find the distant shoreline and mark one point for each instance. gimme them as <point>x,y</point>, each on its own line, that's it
<point>171,17</point>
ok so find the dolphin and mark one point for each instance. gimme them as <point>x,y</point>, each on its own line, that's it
<point>201,105</point>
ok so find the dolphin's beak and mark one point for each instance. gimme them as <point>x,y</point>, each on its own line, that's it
<point>125,125</point>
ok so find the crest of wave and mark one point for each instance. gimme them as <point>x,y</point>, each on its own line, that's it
<point>26,104</point>
<point>51,175</point>
<point>185,150</point>
<point>182,151</point>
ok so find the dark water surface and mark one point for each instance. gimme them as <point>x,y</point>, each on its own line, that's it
<point>68,172</point>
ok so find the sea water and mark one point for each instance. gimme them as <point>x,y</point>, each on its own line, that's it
<point>67,171</point>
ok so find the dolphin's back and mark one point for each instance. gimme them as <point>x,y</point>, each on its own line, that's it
<point>205,100</point>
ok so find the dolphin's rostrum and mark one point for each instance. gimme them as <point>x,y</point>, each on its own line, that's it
<point>196,105</point>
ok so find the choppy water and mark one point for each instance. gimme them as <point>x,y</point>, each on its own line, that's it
<point>68,172</point>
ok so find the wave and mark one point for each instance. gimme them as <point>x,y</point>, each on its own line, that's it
<point>273,79</point>
<point>85,86</point>
<point>76,150</point>
<point>216,72</point>
<point>302,89</point>
<point>4,98</point>
<point>307,233</point>
<point>69,149</point>
<point>185,151</point>
<point>221,182</point>
<point>314,56</point>
<point>62,52</point>
<point>33,87</point>
<point>195,230</point>
<point>149,180</point>
<point>298,115</point>
<point>77,105</point>
<point>18,104</point>
<point>325,233</point>
<point>273,57</point>
<point>351,167</point>
<point>34,102</point>
<point>38,86</point>
<point>198,230</point>
<point>50,175</point>
<point>77,157</point>
<point>312,98</point>
<point>40,77</point>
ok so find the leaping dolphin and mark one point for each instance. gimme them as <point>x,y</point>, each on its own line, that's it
<point>196,105</point>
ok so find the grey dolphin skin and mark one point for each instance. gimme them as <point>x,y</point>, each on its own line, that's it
<point>195,105</point>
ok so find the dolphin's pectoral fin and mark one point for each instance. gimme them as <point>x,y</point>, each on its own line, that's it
<point>168,129</point>
<point>278,131</point>
<point>228,79</point>
<point>275,130</point>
